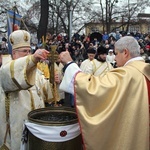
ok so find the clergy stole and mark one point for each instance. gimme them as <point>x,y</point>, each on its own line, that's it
<point>148,86</point>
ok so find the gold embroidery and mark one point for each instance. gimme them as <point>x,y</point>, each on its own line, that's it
<point>25,72</point>
<point>12,75</point>
<point>11,40</point>
<point>32,100</point>
<point>26,37</point>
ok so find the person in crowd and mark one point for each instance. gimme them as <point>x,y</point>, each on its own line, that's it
<point>59,70</point>
<point>77,56</point>
<point>86,44</point>
<point>143,54</point>
<point>111,57</point>
<point>4,45</point>
<point>102,65</point>
<point>23,86</point>
<point>91,52</point>
<point>3,55</point>
<point>147,50</point>
<point>95,43</point>
<point>76,36</point>
<point>99,65</point>
<point>113,110</point>
<point>147,39</point>
<point>118,35</point>
<point>105,36</point>
<point>112,42</point>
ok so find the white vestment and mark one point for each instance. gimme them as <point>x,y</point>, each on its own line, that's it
<point>95,67</point>
<point>59,70</point>
<point>85,65</point>
<point>27,89</point>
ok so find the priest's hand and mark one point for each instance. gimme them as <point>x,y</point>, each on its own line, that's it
<point>65,57</point>
<point>40,54</point>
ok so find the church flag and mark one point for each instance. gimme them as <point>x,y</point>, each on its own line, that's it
<point>13,23</point>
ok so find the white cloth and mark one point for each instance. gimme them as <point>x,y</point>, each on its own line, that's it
<point>52,133</point>
<point>67,83</point>
<point>133,59</point>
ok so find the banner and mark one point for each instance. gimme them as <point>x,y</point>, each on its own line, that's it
<point>13,23</point>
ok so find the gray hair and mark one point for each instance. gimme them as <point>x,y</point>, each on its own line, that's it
<point>129,43</point>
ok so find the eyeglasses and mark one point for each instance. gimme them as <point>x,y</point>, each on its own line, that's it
<point>23,51</point>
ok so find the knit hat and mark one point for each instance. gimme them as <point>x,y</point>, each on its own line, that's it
<point>19,38</point>
<point>101,50</point>
<point>91,51</point>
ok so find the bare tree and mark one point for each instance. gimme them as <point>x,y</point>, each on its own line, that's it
<point>42,28</point>
<point>131,11</point>
<point>82,12</point>
<point>110,11</point>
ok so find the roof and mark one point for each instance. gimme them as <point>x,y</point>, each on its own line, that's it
<point>143,15</point>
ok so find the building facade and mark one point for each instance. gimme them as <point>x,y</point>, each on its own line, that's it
<point>141,24</point>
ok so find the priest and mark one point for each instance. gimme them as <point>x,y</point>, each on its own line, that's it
<point>23,88</point>
<point>113,109</point>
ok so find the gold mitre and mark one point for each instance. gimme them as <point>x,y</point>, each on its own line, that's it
<point>19,38</point>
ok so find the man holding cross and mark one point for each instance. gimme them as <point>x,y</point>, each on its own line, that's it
<point>23,85</point>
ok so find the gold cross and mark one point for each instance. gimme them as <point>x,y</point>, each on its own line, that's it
<point>53,56</point>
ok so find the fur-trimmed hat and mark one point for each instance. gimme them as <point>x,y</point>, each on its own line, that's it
<point>102,50</point>
<point>19,38</point>
<point>91,51</point>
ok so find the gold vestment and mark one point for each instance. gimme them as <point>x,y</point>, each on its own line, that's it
<point>113,109</point>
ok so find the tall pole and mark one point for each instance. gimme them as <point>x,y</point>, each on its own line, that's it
<point>70,23</point>
<point>127,28</point>
<point>106,15</point>
<point>70,12</point>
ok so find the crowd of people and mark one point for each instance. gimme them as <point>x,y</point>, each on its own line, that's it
<point>107,78</point>
<point>80,44</point>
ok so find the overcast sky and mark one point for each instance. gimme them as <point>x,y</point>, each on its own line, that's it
<point>147,10</point>
<point>122,2</point>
